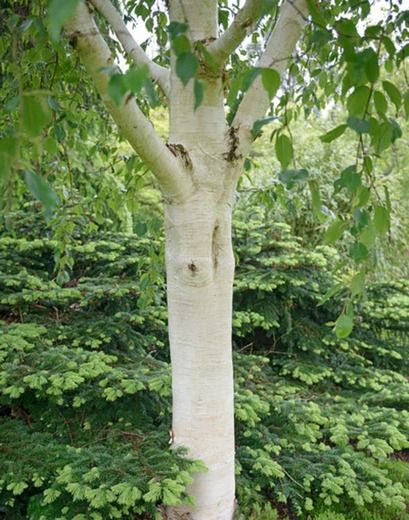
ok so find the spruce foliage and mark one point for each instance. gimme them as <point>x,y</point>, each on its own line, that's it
<point>85,381</point>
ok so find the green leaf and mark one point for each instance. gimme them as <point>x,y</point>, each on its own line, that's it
<point>176,28</point>
<point>346,27</point>
<point>186,67</point>
<point>335,231</point>
<point>270,79</point>
<point>134,79</point>
<point>361,196</point>
<point>181,45</point>
<point>333,134</point>
<point>382,138</point>
<point>151,93</point>
<point>291,177</point>
<point>393,93</point>
<point>258,125</point>
<point>36,114</point>
<point>357,284</point>
<point>368,164</point>
<point>361,217</point>
<point>358,101</point>
<point>50,145</point>
<point>316,12</point>
<point>358,252</point>
<point>349,179</point>
<point>332,291</point>
<point>284,150</point>
<point>371,65</point>
<point>381,104</point>
<point>389,45</point>
<point>41,190</point>
<point>344,326</point>
<point>368,235</point>
<point>361,126</point>
<point>59,11</point>
<point>316,200</point>
<point>396,129</point>
<point>117,88</point>
<point>381,220</point>
<point>198,91</point>
<point>249,77</point>
<point>12,104</point>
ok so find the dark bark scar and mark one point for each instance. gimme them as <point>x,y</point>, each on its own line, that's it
<point>233,154</point>
<point>192,267</point>
<point>179,150</point>
<point>215,248</point>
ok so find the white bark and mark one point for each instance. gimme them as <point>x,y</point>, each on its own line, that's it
<point>200,16</point>
<point>134,125</point>
<point>241,26</point>
<point>200,269</point>
<point>278,51</point>
<point>159,74</point>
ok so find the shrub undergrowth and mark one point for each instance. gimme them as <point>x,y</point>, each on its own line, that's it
<point>85,407</point>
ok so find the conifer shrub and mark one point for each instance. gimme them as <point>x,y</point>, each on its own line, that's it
<point>85,407</point>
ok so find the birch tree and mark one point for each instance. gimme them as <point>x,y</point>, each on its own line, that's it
<point>197,170</point>
<point>220,93</point>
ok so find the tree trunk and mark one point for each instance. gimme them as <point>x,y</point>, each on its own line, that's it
<point>200,270</point>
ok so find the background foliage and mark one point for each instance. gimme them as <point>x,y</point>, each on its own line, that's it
<point>85,380</point>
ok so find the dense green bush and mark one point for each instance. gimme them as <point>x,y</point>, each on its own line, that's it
<point>85,382</point>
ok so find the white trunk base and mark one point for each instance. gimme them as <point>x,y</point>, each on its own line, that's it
<point>200,270</point>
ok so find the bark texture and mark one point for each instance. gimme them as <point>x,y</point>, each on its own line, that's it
<point>200,269</point>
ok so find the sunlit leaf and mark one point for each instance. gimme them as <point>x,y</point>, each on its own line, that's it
<point>393,93</point>
<point>344,326</point>
<point>284,150</point>
<point>333,134</point>
<point>271,81</point>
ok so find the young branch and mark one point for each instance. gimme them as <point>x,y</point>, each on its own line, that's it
<point>279,48</point>
<point>138,130</point>
<point>159,74</point>
<point>242,24</point>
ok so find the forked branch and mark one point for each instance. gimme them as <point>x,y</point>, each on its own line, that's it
<point>233,36</point>
<point>138,130</point>
<point>279,48</point>
<point>160,75</point>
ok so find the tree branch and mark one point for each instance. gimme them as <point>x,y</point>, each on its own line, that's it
<point>279,48</point>
<point>244,20</point>
<point>159,74</point>
<point>138,130</point>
